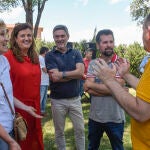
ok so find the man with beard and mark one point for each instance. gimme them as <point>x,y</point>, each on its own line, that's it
<point>105,113</point>
<point>138,107</point>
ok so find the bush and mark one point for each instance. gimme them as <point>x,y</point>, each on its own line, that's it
<point>134,53</point>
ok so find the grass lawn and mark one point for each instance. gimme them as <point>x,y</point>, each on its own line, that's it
<point>48,131</point>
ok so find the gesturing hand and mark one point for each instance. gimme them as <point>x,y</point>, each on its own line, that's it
<point>31,110</point>
<point>103,71</point>
<point>123,66</point>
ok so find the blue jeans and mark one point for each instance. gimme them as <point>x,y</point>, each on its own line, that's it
<point>3,144</point>
<point>114,132</point>
<point>43,93</point>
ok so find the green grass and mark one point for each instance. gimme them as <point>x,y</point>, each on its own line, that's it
<point>48,131</point>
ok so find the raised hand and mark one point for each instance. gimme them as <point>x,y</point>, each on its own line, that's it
<point>103,71</point>
<point>123,66</point>
<point>32,111</point>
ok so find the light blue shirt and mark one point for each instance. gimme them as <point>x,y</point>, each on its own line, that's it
<point>6,117</point>
<point>143,63</point>
<point>44,76</point>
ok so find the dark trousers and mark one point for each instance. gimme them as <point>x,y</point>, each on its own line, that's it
<point>114,132</point>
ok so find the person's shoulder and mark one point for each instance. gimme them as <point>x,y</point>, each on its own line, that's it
<point>4,61</point>
<point>41,58</point>
<point>146,57</point>
<point>92,62</point>
<point>3,58</point>
<point>8,54</point>
<point>74,50</point>
<point>49,53</point>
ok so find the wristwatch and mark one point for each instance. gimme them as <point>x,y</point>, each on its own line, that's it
<point>64,75</point>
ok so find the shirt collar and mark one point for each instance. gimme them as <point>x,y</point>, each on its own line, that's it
<point>56,51</point>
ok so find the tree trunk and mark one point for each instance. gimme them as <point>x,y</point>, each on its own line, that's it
<point>40,10</point>
<point>29,11</point>
<point>29,17</point>
<point>28,7</point>
<point>29,14</point>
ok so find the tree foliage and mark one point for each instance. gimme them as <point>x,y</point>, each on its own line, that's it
<point>134,53</point>
<point>29,7</point>
<point>139,9</point>
<point>6,5</point>
<point>40,43</point>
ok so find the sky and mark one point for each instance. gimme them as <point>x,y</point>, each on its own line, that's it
<point>82,17</point>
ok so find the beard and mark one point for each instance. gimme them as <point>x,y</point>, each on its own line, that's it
<point>108,52</point>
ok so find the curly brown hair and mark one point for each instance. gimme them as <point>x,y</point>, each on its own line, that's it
<point>32,54</point>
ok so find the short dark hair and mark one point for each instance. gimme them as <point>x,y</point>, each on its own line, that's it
<point>147,21</point>
<point>61,27</point>
<point>43,50</point>
<point>103,32</point>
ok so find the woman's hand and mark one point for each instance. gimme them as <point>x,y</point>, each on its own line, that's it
<point>103,71</point>
<point>32,111</point>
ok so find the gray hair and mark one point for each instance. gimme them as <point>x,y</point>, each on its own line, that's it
<point>61,27</point>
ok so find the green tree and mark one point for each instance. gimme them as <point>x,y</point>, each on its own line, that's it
<point>121,50</point>
<point>6,4</point>
<point>134,53</point>
<point>94,35</point>
<point>29,7</point>
<point>139,9</point>
<point>40,43</point>
<point>80,46</point>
